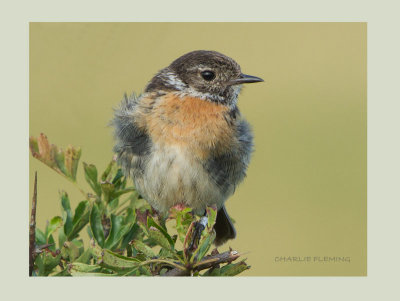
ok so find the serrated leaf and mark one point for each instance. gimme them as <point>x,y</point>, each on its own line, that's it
<point>72,156</point>
<point>91,177</point>
<point>64,162</point>
<point>59,157</point>
<point>96,225</point>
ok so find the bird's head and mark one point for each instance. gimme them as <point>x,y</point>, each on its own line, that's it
<point>203,74</point>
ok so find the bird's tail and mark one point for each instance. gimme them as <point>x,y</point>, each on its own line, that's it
<point>223,227</point>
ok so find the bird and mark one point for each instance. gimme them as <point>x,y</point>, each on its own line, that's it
<point>183,140</point>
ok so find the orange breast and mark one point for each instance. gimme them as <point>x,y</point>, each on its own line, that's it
<point>195,124</point>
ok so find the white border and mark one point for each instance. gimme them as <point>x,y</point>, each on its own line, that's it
<point>383,151</point>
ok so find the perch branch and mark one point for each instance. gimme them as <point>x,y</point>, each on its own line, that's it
<point>207,262</point>
<point>32,228</point>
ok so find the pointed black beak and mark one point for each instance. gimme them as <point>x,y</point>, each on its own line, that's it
<point>245,79</point>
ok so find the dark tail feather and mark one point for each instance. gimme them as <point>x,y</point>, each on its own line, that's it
<point>223,227</point>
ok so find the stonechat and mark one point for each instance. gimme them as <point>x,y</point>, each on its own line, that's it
<point>183,140</point>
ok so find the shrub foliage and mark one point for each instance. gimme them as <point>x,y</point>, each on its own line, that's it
<point>127,236</point>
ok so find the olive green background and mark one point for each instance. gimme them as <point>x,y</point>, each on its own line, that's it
<point>305,193</point>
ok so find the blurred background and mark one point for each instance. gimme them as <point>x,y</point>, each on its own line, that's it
<point>305,195</point>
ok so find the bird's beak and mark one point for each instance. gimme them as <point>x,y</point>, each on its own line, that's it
<point>245,79</point>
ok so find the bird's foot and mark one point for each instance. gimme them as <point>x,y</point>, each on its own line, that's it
<point>198,229</point>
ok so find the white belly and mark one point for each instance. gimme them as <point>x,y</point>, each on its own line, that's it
<point>172,176</point>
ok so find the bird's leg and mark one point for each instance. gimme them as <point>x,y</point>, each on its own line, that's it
<point>198,229</point>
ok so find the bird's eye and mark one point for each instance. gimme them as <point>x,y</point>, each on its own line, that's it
<point>208,75</point>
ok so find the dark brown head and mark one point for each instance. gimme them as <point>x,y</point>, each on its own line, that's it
<point>203,74</point>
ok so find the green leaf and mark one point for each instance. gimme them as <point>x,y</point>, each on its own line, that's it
<point>108,170</point>
<point>46,263</point>
<point>233,269</point>
<point>183,219</point>
<point>130,216</point>
<point>141,247</point>
<point>79,244</point>
<point>132,234</point>
<point>55,223</point>
<point>159,238</point>
<point>62,273</point>
<point>164,253</point>
<point>80,211</point>
<point>59,156</point>
<point>91,177</point>
<point>204,246</point>
<point>80,220</point>
<point>107,189</point>
<point>151,223</point>
<point>84,268</point>
<point>40,237</point>
<point>70,251</point>
<point>118,176</point>
<point>65,203</point>
<point>80,274</point>
<point>96,225</point>
<point>113,204</point>
<point>118,193</point>
<point>117,262</point>
<point>212,272</point>
<point>212,216</point>
<point>52,243</point>
<point>144,270</point>
<point>118,230</point>
<point>89,232</point>
<point>61,237</point>
<point>85,256</point>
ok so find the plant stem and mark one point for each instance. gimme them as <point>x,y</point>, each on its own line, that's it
<point>177,266</point>
<point>32,228</point>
